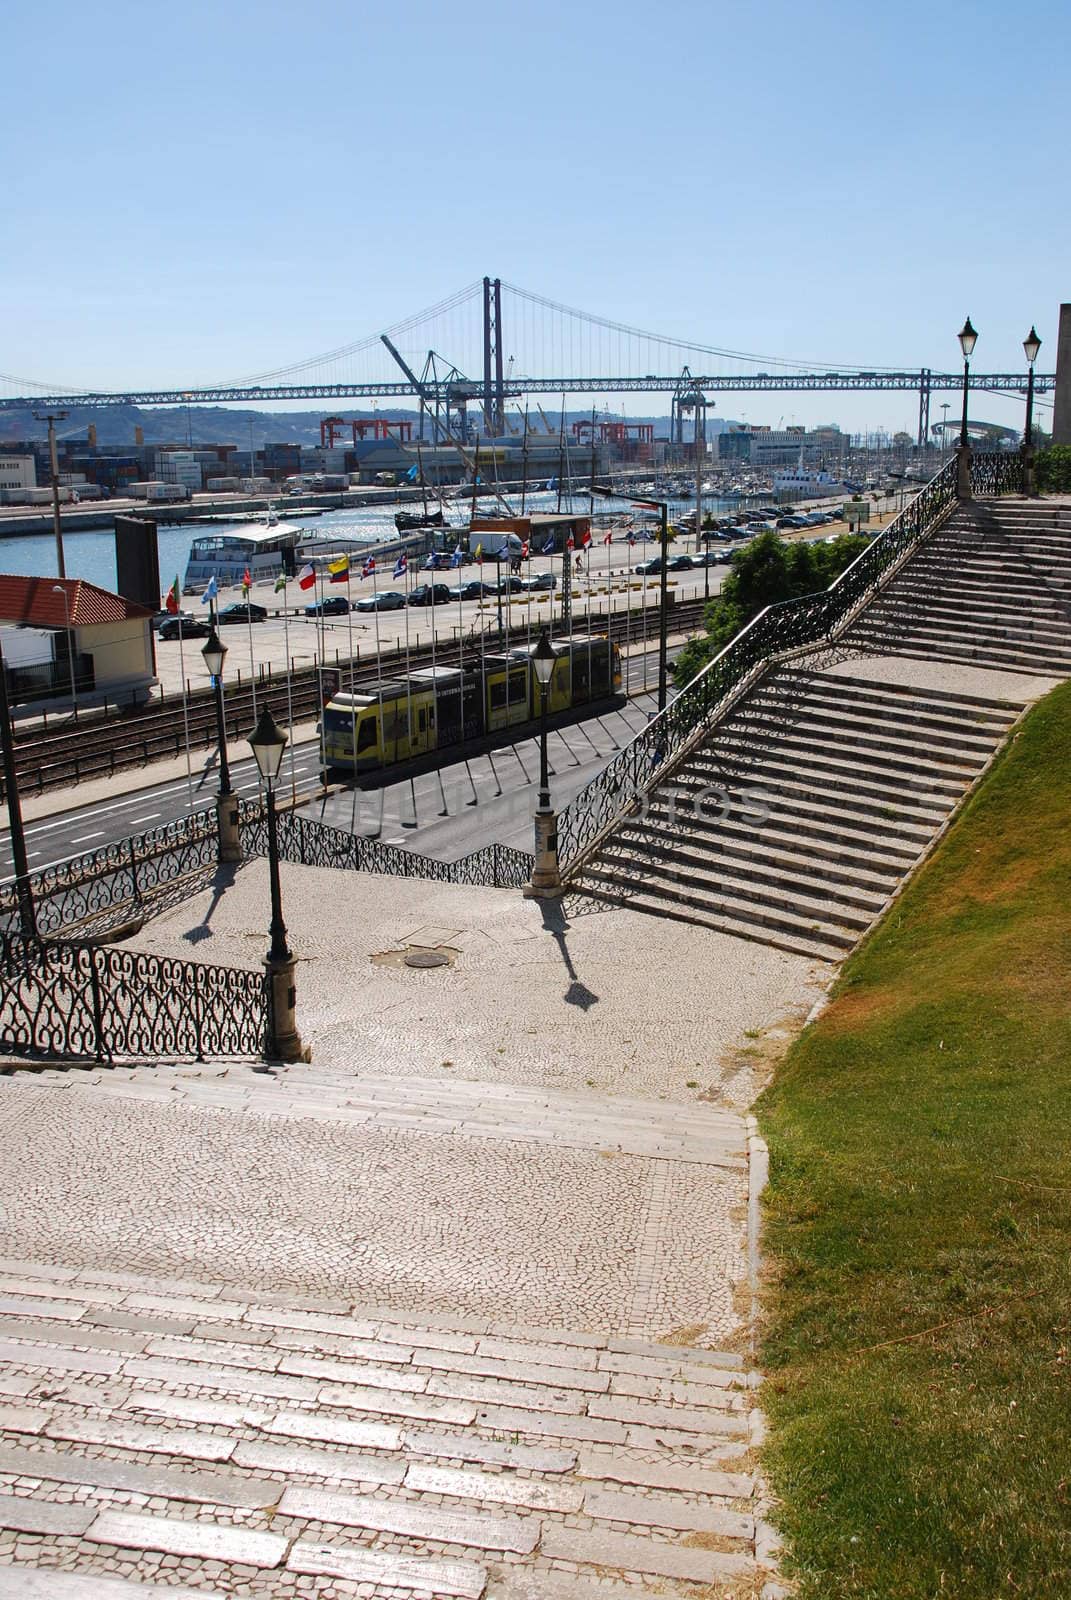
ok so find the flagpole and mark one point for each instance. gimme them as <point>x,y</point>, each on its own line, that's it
<point>318,573</point>
<point>379,665</point>
<point>185,713</point>
<point>408,680</point>
<point>349,646</point>
<point>247,590</point>
<point>289,695</point>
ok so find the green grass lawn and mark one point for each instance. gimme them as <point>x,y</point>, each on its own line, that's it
<point>918,1227</point>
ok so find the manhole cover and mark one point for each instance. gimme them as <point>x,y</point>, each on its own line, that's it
<point>427,958</point>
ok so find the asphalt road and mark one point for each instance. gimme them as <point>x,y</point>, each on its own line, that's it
<point>445,813</point>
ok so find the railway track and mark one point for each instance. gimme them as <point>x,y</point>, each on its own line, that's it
<point>45,760</point>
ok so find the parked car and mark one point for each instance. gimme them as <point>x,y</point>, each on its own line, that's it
<point>652,564</point>
<point>473,589</point>
<point>183,627</point>
<point>540,582</point>
<point>333,605</point>
<point>430,594</point>
<point>509,585</point>
<point>680,563</point>
<point>243,611</point>
<point>389,600</point>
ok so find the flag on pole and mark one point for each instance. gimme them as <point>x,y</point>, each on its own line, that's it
<point>608,536</point>
<point>211,591</point>
<point>401,566</point>
<point>369,567</point>
<point>432,563</point>
<point>247,583</point>
<point>570,543</point>
<point>339,569</point>
<point>585,539</point>
<point>548,548</point>
<point>524,551</point>
<point>631,537</point>
<point>173,600</point>
<point>455,559</point>
<point>280,583</point>
<point>479,554</point>
<point>307,576</point>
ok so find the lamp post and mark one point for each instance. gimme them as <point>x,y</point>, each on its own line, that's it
<point>230,845</point>
<point>662,507</point>
<point>58,588</point>
<point>967,340</point>
<point>52,417</point>
<point>23,891</point>
<point>283,1042</point>
<point>1031,346</point>
<point>546,879</point>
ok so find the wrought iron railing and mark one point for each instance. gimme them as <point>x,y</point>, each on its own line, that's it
<point>781,630</point>
<point>90,1003</point>
<point>123,874</point>
<point>997,472</point>
<point>314,844</point>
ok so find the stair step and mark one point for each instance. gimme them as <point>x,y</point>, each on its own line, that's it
<point>819,712</point>
<point>789,804</point>
<point>649,845</point>
<point>812,943</point>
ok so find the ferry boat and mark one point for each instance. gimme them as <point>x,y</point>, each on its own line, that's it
<point>265,549</point>
<point>807,485</point>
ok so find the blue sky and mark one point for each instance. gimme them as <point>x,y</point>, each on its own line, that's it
<point>211,191</point>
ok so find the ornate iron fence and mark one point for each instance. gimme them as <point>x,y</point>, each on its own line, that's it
<point>123,874</point>
<point>313,844</point>
<point>780,630</point>
<point>997,472</point>
<point>85,1002</point>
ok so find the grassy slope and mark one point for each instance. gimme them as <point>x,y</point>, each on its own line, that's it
<point>920,1137</point>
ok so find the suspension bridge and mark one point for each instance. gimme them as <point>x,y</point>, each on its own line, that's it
<point>493,345</point>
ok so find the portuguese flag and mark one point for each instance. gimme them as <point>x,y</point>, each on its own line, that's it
<point>172,599</point>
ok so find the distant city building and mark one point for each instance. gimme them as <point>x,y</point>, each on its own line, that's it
<point>18,471</point>
<point>780,447</point>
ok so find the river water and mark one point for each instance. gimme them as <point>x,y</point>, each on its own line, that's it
<point>91,555</point>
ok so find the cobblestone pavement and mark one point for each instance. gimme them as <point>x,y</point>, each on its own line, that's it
<point>456,1310</point>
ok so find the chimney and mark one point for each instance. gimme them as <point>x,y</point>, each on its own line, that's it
<point>1061,411</point>
<point>139,435</point>
<point>92,435</point>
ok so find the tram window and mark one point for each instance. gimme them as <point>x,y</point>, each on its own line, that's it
<point>518,688</point>
<point>422,720</point>
<point>367,734</point>
<point>498,695</point>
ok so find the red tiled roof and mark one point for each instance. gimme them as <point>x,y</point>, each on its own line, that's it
<point>33,601</point>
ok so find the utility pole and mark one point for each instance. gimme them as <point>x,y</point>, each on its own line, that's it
<point>52,417</point>
<point>23,892</point>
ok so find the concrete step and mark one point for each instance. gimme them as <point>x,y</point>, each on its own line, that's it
<point>651,850</point>
<point>834,841</point>
<point>856,798</point>
<point>974,710</point>
<point>276,1441</point>
<point>923,643</point>
<point>820,711</point>
<point>805,942</point>
<point>792,803</point>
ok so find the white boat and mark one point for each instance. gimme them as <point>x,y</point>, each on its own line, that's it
<point>804,485</point>
<point>265,550</point>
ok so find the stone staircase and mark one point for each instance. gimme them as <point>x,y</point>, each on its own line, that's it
<point>835,786</point>
<point>854,775</point>
<point>165,1436</point>
<point>991,588</point>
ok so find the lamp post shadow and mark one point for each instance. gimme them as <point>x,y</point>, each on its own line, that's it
<point>222,880</point>
<point>556,924</point>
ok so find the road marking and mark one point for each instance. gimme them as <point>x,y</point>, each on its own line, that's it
<point>82,838</point>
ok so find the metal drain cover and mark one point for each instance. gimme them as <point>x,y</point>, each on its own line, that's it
<point>427,958</point>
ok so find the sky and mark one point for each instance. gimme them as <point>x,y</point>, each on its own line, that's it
<point>204,192</point>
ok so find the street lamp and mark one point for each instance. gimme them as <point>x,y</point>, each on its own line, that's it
<point>58,588</point>
<point>968,338</point>
<point>23,888</point>
<point>283,1043</point>
<point>1031,346</point>
<point>230,845</point>
<point>546,879</point>
<point>662,507</point>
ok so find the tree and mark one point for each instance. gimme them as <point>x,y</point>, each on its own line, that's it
<point>765,571</point>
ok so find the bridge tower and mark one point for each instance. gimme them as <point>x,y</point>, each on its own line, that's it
<point>925,380</point>
<point>494,403</point>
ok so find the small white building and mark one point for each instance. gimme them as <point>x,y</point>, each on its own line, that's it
<point>51,627</point>
<point>17,471</point>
